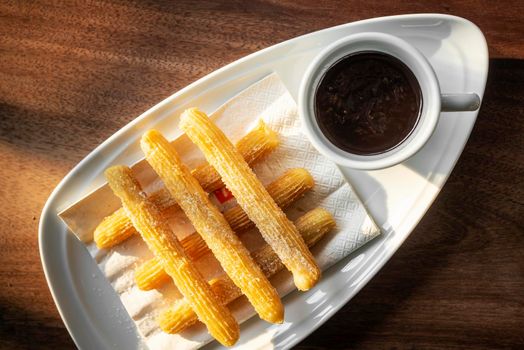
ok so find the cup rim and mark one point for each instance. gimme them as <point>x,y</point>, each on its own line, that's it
<point>418,64</point>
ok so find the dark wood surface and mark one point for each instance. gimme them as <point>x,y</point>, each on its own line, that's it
<point>72,74</point>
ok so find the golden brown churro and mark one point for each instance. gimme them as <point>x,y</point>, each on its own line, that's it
<point>285,190</point>
<point>253,147</point>
<point>312,226</point>
<point>212,226</point>
<point>275,227</point>
<point>146,218</point>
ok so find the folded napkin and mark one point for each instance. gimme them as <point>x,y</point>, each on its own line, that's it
<point>268,99</point>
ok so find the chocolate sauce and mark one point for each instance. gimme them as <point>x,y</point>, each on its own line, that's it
<point>368,103</point>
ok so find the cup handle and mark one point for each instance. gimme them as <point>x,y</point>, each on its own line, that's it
<point>459,102</point>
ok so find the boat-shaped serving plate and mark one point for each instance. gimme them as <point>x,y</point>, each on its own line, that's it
<point>396,197</point>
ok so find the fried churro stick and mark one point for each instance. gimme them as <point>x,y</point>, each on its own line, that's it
<point>285,190</point>
<point>165,246</point>
<point>312,226</point>
<point>253,147</point>
<point>117,227</point>
<point>212,226</point>
<point>277,230</point>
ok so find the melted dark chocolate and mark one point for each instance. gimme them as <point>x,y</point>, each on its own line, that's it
<point>368,103</point>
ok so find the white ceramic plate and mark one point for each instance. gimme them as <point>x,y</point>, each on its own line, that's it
<point>396,197</point>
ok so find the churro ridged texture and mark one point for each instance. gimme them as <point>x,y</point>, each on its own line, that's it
<point>285,190</point>
<point>113,229</point>
<point>117,227</point>
<point>312,226</point>
<point>146,218</point>
<point>254,199</point>
<point>253,147</point>
<point>212,226</point>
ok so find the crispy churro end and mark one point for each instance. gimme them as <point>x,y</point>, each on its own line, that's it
<point>330,220</point>
<point>100,235</point>
<point>272,136</point>
<point>305,282</point>
<point>275,315</point>
<point>172,322</point>
<point>279,319</point>
<point>115,172</point>
<point>304,175</point>
<point>146,142</point>
<point>189,113</point>
<point>318,222</point>
<point>120,178</point>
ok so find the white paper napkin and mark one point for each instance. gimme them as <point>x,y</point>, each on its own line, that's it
<point>269,100</point>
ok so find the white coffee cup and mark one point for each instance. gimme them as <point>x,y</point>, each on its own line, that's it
<point>433,100</point>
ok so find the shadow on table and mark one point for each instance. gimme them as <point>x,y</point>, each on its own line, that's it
<point>21,327</point>
<point>483,194</point>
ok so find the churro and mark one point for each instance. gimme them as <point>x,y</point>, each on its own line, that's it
<point>146,218</point>
<point>275,227</point>
<point>212,226</point>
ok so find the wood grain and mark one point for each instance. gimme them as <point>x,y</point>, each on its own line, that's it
<point>71,74</point>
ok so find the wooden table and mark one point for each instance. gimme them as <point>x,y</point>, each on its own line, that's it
<point>72,74</point>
